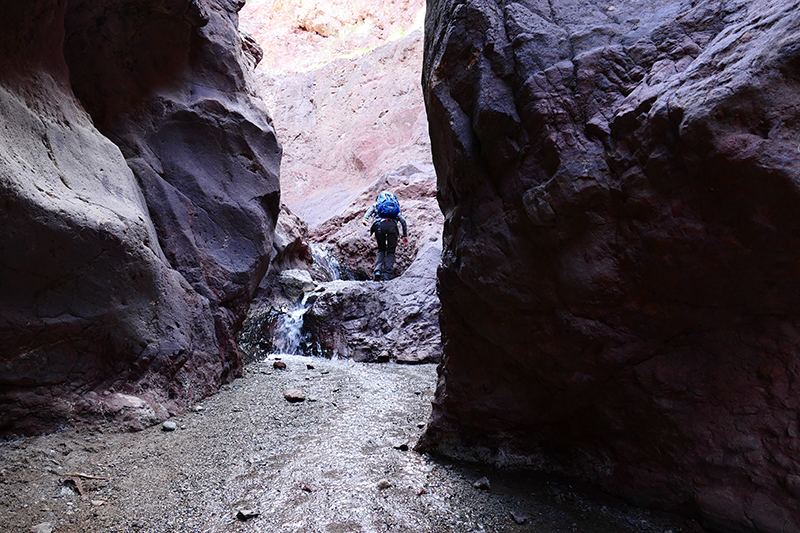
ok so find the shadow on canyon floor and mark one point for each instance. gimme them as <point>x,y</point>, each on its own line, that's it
<point>339,461</point>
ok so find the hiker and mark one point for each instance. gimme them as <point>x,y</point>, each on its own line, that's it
<point>386,211</point>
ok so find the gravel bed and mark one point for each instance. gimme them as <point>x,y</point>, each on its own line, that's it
<point>333,456</point>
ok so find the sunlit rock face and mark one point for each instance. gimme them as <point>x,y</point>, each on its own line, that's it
<point>140,191</point>
<point>620,273</point>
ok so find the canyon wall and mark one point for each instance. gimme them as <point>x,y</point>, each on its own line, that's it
<point>620,274</point>
<point>139,175</point>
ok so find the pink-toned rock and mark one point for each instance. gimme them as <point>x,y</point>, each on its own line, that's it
<point>346,125</point>
<point>294,396</point>
<point>302,35</point>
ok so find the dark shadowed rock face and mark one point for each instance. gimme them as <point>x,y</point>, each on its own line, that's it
<point>372,322</point>
<point>120,291</point>
<point>621,264</point>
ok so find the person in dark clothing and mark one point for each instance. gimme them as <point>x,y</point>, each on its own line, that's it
<point>384,226</point>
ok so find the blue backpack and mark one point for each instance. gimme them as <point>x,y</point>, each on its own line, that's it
<point>388,206</point>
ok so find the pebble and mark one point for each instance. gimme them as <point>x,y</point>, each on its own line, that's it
<point>401,445</point>
<point>44,527</point>
<point>384,484</point>
<point>246,514</point>
<point>310,367</point>
<point>169,425</point>
<point>294,395</point>
<point>519,518</point>
<point>483,484</point>
<point>279,364</point>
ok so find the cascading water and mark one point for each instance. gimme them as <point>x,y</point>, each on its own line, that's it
<point>288,336</point>
<point>281,330</point>
<point>327,262</point>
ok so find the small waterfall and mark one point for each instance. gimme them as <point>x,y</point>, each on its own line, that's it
<point>288,336</point>
<point>279,329</point>
<point>326,263</point>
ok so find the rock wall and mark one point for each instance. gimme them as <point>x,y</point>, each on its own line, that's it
<point>348,123</point>
<point>127,266</point>
<point>303,35</point>
<point>620,270</point>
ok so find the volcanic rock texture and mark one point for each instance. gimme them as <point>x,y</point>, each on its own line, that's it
<point>620,283</point>
<point>126,266</point>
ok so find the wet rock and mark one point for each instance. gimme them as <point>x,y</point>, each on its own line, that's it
<point>291,250</point>
<point>295,283</point>
<point>294,396</point>
<point>169,426</point>
<point>618,249</point>
<point>378,322</point>
<point>280,365</point>
<point>482,484</point>
<point>246,514</point>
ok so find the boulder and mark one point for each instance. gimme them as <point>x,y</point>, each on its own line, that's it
<point>395,320</point>
<point>620,257</point>
<point>295,283</point>
<point>290,247</point>
<point>139,190</point>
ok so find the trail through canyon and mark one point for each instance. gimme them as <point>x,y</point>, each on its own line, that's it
<point>247,459</point>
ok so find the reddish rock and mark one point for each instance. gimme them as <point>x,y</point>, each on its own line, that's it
<point>294,396</point>
<point>127,277</point>
<point>346,125</point>
<point>620,262</point>
<point>290,244</point>
<point>350,129</point>
<point>279,365</point>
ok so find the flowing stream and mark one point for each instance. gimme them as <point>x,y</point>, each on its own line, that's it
<point>288,335</point>
<point>280,330</point>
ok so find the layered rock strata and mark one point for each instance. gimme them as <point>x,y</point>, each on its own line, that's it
<point>620,275</point>
<point>127,266</point>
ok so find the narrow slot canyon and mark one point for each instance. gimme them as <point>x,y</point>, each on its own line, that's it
<point>591,326</point>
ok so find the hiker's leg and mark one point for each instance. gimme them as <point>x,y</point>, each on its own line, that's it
<point>380,236</point>
<point>391,245</point>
